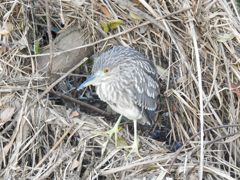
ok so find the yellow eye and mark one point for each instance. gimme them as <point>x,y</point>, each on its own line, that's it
<point>106,70</point>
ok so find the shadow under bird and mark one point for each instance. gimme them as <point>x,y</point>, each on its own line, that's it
<point>128,82</point>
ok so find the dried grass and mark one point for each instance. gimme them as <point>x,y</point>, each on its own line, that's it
<point>41,140</point>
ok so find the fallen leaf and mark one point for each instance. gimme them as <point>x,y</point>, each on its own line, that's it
<point>115,23</point>
<point>174,108</point>
<point>105,27</point>
<point>4,32</point>
<point>9,26</point>
<point>75,164</point>
<point>162,150</point>
<point>236,90</point>
<point>134,16</point>
<point>78,2</point>
<point>162,72</point>
<point>133,40</point>
<point>224,37</point>
<point>158,142</point>
<point>121,142</point>
<point>74,114</point>
<point>106,11</point>
<point>23,42</point>
<point>143,29</point>
<point>182,79</point>
<point>151,167</point>
<point>7,114</point>
<point>165,47</point>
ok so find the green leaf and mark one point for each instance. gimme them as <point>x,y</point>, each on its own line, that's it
<point>115,23</point>
<point>21,26</point>
<point>105,27</point>
<point>215,9</point>
<point>37,48</point>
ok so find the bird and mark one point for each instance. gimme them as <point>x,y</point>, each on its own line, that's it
<point>128,82</point>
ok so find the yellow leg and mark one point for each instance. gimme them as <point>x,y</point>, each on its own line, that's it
<point>114,131</point>
<point>135,142</point>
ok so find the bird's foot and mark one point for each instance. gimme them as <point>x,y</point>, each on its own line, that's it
<point>134,148</point>
<point>114,131</point>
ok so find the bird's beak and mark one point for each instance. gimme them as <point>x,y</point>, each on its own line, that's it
<point>91,80</point>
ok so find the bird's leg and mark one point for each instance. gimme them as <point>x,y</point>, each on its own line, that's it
<point>114,131</point>
<point>135,142</point>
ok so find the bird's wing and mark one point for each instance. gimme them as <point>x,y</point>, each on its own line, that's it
<point>146,88</point>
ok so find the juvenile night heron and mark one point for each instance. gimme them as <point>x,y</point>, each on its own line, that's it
<point>127,81</point>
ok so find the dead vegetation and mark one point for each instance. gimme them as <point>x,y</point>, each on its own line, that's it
<point>197,42</point>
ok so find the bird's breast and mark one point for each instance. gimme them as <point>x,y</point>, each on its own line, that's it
<point>120,99</point>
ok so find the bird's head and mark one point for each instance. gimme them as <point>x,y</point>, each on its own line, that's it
<point>106,67</point>
<point>100,75</point>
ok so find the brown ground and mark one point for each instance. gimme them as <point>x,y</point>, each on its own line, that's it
<point>195,47</point>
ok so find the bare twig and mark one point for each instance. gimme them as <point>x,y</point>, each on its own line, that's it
<point>200,89</point>
<point>55,146</point>
<point>64,157</point>
<point>109,37</point>
<point>187,142</point>
<point>56,82</point>
<point>49,27</point>
<point>81,103</point>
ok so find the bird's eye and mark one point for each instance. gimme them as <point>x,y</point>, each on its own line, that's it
<point>106,70</point>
